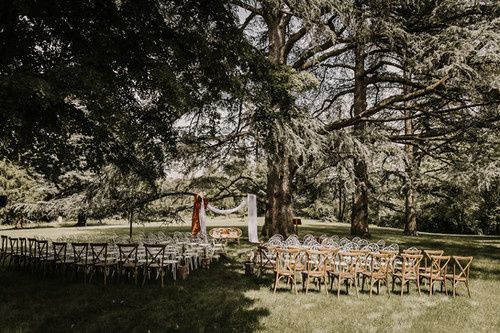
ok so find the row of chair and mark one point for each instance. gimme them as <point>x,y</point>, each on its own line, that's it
<point>356,267</point>
<point>91,258</point>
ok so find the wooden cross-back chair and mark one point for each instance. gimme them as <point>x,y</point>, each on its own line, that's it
<point>266,260</point>
<point>346,269</point>
<point>13,252</point>
<point>317,263</point>
<point>427,259</point>
<point>4,244</point>
<point>101,261</point>
<point>379,270</point>
<point>80,259</point>
<point>60,256</point>
<point>155,261</point>
<point>461,272</point>
<point>31,253</point>
<point>286,266</point>
<point>43,259</point>
<point>436,272</point>
<point>410,268</point>
<point>128,260</point>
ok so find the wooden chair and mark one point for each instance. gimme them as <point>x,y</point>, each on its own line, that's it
<point>128,261</point>
<point>409,271</point>
<point>31,254</point>
<point>379,270</point>
<point>286,265</point>
<point>4,244</point>
<point>60,256</point>
<point>316,267</point>
<point>101,262</point>
<point>266,260</point>
<point>461,272</point>
<point>14,252</point>
<point>436,272</point>
<point>80,259</point>
<point>155,261</point>
<point>427,259</point>
<point>43,259</point>
<point>346,269</point>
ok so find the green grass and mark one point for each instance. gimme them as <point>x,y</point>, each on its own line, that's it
<point>223,299</point>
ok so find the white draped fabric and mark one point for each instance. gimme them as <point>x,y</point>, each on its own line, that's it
<point>250,201</point>
<point>203,218</point>
<point>227,211</point>
<point>252,218</point>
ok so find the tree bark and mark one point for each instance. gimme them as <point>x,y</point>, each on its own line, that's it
<point>410,212</point>
<point>359,214</point>
<point>81,219</point>
<point>280,168</point>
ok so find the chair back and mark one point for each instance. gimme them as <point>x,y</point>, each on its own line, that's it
<point>411,265</point>
<point>99,252</point>
<point>80,253</point>
<point>14,245</point>
<point>265,256</point>
<point>60,250</point>
<point>412,251</point>
<point>32,247</point>
<point>349,262</point>
<point>286,260</point>
<point>381,263</point>
<point>42,249</point>
<point>461,267</point>
<point>4,244</point>
<point>427,257</point>
<point>318,261</point>
<point>155,254</point>
<point>127,253</point>
<point>22,246</point>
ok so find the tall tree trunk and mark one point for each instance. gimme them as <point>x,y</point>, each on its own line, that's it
<point>279,196</point>
<point>81,219</point>
<point>279,165</point>
<point>410,212</point>
<point>359,214</point>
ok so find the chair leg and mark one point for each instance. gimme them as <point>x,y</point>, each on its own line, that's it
<point>276,283</point>
<point>418,287</point>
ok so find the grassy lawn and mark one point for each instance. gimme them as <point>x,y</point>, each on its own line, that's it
<point>223,299</point>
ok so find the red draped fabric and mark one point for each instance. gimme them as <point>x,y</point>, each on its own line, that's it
<point>195,223</point>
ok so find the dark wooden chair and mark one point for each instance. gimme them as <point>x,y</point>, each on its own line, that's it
<point>128,262</point>
<point>101,262</point>
<point>154,262</point>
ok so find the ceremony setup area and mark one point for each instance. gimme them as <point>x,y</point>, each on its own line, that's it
<point>250,166</point>
<point>234,300</point>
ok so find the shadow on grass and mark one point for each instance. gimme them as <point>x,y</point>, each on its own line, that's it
<point>208,301</point>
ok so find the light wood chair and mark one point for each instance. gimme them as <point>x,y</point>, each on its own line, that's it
<point>461,272</point>
<point>379,270</point>
<point>316,268</point>
<point>286,266</point>
<point>410,267</point>
<point>346,268</point>
<point>436,272</point>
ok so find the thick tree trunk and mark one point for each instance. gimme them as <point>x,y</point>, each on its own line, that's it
<point>359,214</point>
<point>279,197</point>
<point>279,166</point>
